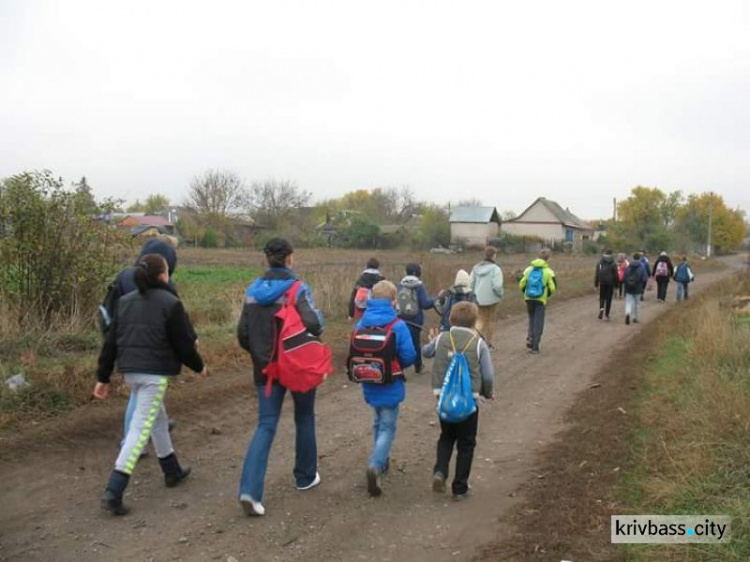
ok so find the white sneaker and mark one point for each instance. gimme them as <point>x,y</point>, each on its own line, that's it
<point>312,484</point>
<point>252,507</point>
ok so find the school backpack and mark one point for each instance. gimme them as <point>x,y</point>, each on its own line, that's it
<point>607,272</point>
<point>107,308</point>
<point>662,269</point>
<point>299,360</point>
<point>683,273</point>
<point>372,355</point>
<point>632,278</point>
<point>361,296</point>
<point>535,283</point>
<point>456,402</point>
<point>407,302</point>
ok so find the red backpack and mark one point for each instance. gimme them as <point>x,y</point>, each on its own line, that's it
<point>300,361</point>
<point>361,296</point>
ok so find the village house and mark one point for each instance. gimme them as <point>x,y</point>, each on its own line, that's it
<point>548,221</point>
<point>473,226</point>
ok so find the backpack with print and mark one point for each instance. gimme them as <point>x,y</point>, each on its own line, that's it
<point>456,402</point>
<point>372,355</point>
<point>662,269</point>
<point>535,283</point>
<point>299,360</point>
<point>361,296</point>
<point>407,302</point>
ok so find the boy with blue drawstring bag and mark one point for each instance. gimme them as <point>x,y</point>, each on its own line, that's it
<point>461,372</point>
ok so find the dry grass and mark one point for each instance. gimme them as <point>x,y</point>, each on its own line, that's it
<point>694,440</point>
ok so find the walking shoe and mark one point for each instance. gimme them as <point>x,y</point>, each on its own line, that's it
<point>373,482</point>
<point>251,507</point>
<point>112,497</point>
<point>601,313</point>
<point>627,319</point>
<point>438,483</point>
<point>312,484</point>
<point>635,320</point>
<point>534,351</point>
<point>606,318</point>
<point>173,472</point>
<point>460,497</point>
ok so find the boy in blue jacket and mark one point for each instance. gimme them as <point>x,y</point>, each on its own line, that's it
<point>384,399</point>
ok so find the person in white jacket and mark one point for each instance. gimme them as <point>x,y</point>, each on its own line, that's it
<point>486,281</point>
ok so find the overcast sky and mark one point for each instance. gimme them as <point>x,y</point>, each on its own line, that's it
<point>577,101</point>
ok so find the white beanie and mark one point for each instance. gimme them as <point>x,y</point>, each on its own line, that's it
<point>462,279</point>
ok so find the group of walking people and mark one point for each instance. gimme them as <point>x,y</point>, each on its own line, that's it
<point>149,336</point>
<point>631,278</point>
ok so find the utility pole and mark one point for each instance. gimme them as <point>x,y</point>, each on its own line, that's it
<point>614,212</point>
<point>710,221</point>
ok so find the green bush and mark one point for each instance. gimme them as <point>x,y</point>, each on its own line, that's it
<point>210,239</point>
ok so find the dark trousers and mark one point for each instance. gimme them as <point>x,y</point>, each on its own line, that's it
<point>535,310</point>
<point>605,298</point>
<point>661,288</point>
<point>464,436</point>
<point>416,335</point>
<point>620,289</point>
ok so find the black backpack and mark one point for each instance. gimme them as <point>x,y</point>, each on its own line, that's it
<point>372,355</point>
<point>607,273</point>
<point>632,278</point>
<point>108,308</point>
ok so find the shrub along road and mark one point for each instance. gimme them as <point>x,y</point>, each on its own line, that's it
<point>49,494</point>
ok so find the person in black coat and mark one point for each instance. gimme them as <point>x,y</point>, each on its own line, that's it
<point>150,339</point>
<point>605,279</point>
<point>663,271</point>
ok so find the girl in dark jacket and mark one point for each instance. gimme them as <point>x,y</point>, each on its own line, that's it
<point>150,339</point>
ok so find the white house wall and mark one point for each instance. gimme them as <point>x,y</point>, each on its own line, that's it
<point>473,234</point>
<point>543,231</point>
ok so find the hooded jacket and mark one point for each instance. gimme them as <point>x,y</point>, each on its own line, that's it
<point>151,334</point>
<point>125,281</point>
<point>425,302</point>
<point>486,280</point>
<point>368,279</point>
<point>606,272</point>
<point>548,279</point>
<point>255,331</point>
<point>380,312</point>
<point>445,301</point>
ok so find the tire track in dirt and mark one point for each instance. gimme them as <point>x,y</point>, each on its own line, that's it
<point>49,499</point>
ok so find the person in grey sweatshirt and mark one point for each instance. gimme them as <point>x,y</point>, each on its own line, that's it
<point>486,281</point>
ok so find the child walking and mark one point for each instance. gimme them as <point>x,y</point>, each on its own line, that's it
<point>384,398</point>
<point>463,435</point>
<point>150,339</point>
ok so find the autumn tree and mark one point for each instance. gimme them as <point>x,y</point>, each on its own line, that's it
<point>273,202</point>
<point>646,218</point>
<point>727,225</point>
<point>215,193</point>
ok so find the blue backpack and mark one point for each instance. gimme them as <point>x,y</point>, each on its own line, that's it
<point>535,284</point>
<point>456,401</point>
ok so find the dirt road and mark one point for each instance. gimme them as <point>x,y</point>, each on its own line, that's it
<point>49,497</point>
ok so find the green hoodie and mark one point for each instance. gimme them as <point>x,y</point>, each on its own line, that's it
<point>548,277</point>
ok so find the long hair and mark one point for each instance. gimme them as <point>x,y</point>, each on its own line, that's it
<point>147,271</point>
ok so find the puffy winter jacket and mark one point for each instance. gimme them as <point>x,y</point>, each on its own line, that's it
<point>548,280</point>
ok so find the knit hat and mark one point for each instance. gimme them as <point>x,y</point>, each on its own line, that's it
<point>462,279</point>
<point>414,269</point>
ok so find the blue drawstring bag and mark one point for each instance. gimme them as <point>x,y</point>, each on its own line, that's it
<point>456,401</point>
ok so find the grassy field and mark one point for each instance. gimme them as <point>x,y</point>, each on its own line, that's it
<point>692,442</point>
<point>60,364</point>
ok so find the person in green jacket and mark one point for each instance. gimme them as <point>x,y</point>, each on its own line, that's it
<point>538,284</point>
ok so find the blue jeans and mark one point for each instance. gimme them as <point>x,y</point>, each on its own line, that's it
<point>384,423</point>
<point>306,451</point>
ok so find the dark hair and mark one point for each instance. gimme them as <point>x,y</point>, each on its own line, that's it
<point>414,269</point>
<point>276,250</point>
<point>490,252</point>
<point>373,263</point>
<point>637,256</point>
<point>147,272</point>
<point>607,252</point>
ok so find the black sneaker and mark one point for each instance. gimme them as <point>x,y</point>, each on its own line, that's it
<point>438,483</point>
<point>373,482</point>
<point>112,503</point>
<point>601,313</point>
<point>627,319</point>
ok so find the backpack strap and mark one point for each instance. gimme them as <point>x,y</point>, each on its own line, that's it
<point>453,343</point>
<point>290,297</point>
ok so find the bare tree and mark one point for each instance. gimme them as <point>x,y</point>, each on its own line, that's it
<point>271,201</point>
<point>215,193</point>
<point>473,202</point>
